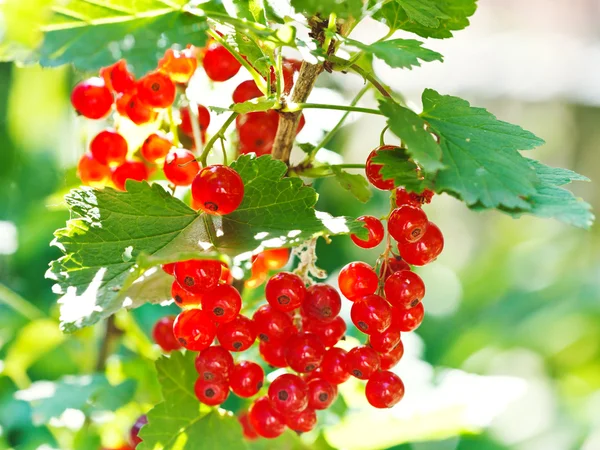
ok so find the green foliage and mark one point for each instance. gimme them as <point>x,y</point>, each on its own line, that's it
<point>356,184</point>
<point>399,53</point>
<point>343,8</point>
<point>398,166</point>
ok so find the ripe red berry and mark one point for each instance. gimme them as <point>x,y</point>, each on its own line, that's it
<point>333,366</point>
<point>181,167</point>
<point>407,319</point>
<point>389,359</point>
<point>272,324</point>
<point>198,275</point>
<point>285,291</point>
<point>385,341</point>
<point>203,115</point>
<point>108,146</point>
<point>321,393</point>
<point>155,147</point>
<point>403,197</point>
<point>257,131</point>
<point>156,90</point>
<point>223,303</point>
<point>129,170</point>
<point>384,389</point>
<point>237,335</point>
<point>404,289</point>
<point>218,190</point>
<point>362,362</point>
<point>118,78</point>
<point>211,393</point>
<point>392,265</point>
<point>247,428</point>
<point>301,422</point>
<point>273,352</point>
<point>135,430</point>
<point>376,232</point>
<point>288,393</point>
<point>89,170</point>
<point>266,421</point>
<point>184,298</point>
<point>179,65</point>
<point>163,334</point>
<point>407,224</point>
<point>194,329</point>
<point>168,268</point>
<point>330,332</point>
<point>371,314</point>
<point>373,170</point>
<point>219,64</point>
<point>322,302</point>
<point>357,279</point>
<point>246,90</point>
<point>214,364</point>
<point>276,258</point>
<point>304,352</point>
<point>290,67</point>
<point>91,98</point>
<point>129,105</point>
<point>246,379</point>
<point>426,249</point>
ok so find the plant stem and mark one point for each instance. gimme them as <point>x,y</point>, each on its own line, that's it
<point>173,126</point>
<point>19,304</point>
<point>220,133</point>
<point>371,79</point>
<point>338,108</point>
<point>111,333</point>
<point>224,151</point>
<point>279,74</point>
<point>331,28</point>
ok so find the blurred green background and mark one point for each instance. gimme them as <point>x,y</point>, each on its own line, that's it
<point>508,356</point>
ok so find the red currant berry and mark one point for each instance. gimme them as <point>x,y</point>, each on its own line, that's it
<point>226,276</point>
<point>266,421</point>
<point>237,335</point>
<point>333,366</point>
<point>273,353</point>
<point>179,65</point>
<point>117,77</point>
<point>384,389</point>
<point>184,298</point>
<point>129,105</point>
<point>389,359</point>
<point>362,362</point>
<point>404,289</point>
<point>371,314</point>
<point>247,428</point>
<point>203,115</point>
<point>258,272</point>
<point>198,275</point>
<point>168,268</point>
<point>393,264</point>
<point>385,341</point>
<point>246,379</point>
<point>211,393</point>
<point>163,334</point>
<point>357,279</point>
<point>91,98</point>
<point>246,90</point>
<point>219,64</point>
<point>108,146</point>
<point>290,67</point>
<point>426,196</point>
<point>214,364</point>
<point>373,170</point>
<point>129,170</point>
<point>303,421</point>
<point>407,319</point>
<point>91,171</point>
<point>156,90</point>
<point>257,131</point>
<point>276,258</point>
<point>194,329</point>
<point>376,232</point>
<point>155,147</point>
<point>135,430</point>
<point>322,303</point>
<point>223,303</point>
<point>218,190</point>
<point>407,224</point>
<point>321,393</point>
<point>426,249</point>
<point>304,352</point>
<point>288,393</point>
<point>285,291</point>
<point>403,197</point>
<point>181,167</point>
<point>272,324</point>
<point>317,373</point>
<point>330,333</point>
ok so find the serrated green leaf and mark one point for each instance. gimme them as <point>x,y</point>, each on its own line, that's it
<point>181,422</point>
<point>398,167</point>
<point>481,154</point>
<point>399,53</point>
<point>409,127</point>
<point>343,8</point>
<point>255,56</point>
<point>356,184</point>
<point>252,10</point>
<point>424,12</point>
<point>256,104</point>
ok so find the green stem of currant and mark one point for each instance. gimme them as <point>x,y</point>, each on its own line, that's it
<point>382,136</point>
<point>19,304</point>
<point>331,28</point>
<point>211,142</point>
<point>279,73</point>
<point>173,126</point>
<point>224,150</point>
<point>299,106</point>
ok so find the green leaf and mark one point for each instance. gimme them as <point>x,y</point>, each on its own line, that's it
<point>409,127</point>
<point>181,422</point>
<point>424,12</point>
<point>95,34</point>
<point>256,104</point>
<point>255,56</point>
<point>343,8</point>
<point>481,154</point>
<point>399,53</point>
<point>398,167</point>
<point>356,184</point>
